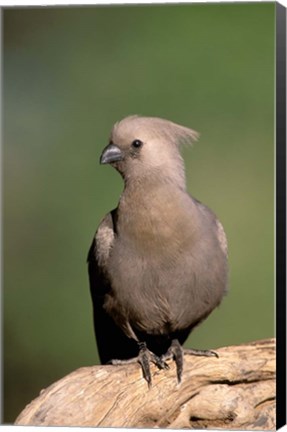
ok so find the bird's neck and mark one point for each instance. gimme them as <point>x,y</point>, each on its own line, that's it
<point>148,192</point>
<point>154,210</point>
<point>169,179</point>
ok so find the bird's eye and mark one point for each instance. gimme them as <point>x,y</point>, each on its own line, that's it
<point>137,143</point>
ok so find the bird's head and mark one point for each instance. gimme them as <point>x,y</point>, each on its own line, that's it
<point>144,147</point>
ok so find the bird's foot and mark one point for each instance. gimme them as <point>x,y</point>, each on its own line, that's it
<point>144,358</point>
<point>176,352</point>
<point>123,362</point>
<point>200,353</point>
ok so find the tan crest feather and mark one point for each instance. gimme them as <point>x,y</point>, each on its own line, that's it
<point>166,129</point>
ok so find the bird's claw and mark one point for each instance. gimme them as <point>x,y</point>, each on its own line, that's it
<point>200,353</point>
<point>145,357</point>
<point>175,352</point>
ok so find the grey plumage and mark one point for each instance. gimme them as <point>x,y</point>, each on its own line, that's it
<point>158,262</point>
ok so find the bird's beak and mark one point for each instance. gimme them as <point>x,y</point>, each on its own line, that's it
<point>111,153</point>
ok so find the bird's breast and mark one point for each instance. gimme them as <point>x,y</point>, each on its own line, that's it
<point>157,224</point>
<point>170,290</point>
<point>165,271</point>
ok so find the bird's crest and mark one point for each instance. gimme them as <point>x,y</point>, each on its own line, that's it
<point>163,128</point>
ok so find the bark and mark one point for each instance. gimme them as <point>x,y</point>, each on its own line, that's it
<point>234,391</point>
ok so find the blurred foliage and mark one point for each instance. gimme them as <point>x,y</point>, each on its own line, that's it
<point>69,74</point>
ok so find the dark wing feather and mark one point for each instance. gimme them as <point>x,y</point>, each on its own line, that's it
<point>111,341</point>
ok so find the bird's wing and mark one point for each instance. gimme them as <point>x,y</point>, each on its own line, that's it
<point>220,233</point>
<point>111,341</point>
<point>222,237</point>
<point>103,242</point>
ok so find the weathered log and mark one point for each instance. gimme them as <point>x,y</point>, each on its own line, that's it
<point>234,391</point>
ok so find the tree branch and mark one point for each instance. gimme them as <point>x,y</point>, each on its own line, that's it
<point>235,391</point>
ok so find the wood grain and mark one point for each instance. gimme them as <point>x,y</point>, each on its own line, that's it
<point>234,391</point>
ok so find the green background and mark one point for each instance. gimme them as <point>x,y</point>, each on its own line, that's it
<point>69,74</point>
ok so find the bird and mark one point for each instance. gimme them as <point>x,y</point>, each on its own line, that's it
<point>158,263</point>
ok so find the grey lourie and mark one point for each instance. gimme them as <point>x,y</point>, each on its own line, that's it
<point>158,262</point>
